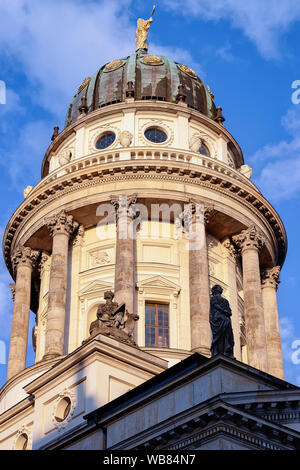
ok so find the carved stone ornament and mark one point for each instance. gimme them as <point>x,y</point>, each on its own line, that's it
<point>13,290</point>
<point>27,190</point>
<point>78,238</point>
<point>61,223</point>
<point>43,262</point>
<point>125,138</point>
<point>270,277</point>
<point>99,258</point>
<point>24,255</point>
<point>249,238</point>
<point>65,156</point>
<point>114,320</point>
<point>229,248</point>
<point>195,142</point>
<point>122,204</point>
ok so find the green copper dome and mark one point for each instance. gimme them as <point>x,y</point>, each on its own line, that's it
<point>144,77</point>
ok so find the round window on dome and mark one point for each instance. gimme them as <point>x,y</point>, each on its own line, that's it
<point>203,149</point>
<point>156,135</point>
<point>105,140</point>
<point>63,409</point>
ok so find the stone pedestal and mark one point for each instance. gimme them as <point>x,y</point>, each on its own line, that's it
<point>61,226</point>
<point>125,266</point>
<point>196,217</point>
<point>23,260</point>
<point>250,241</point>
<point>270,281</point>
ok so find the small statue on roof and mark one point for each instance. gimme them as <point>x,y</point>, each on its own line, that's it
<point>142,31</point>
<point>114,320</point>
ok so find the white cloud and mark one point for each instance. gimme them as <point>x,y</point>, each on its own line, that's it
<point>262,21</point>
<point>59,43</point>
<point>279,177</point>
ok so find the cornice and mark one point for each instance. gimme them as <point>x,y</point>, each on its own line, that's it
<point>156,106</point>
<point>240,190</point>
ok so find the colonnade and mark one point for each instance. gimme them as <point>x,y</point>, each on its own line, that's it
<point>260,302</point>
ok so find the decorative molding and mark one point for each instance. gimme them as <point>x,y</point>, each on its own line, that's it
<point>168,171</point>
<point>79,237</point>
<point>160,283</point>
<point>229,249</point>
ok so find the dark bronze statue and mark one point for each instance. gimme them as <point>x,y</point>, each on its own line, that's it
<point>114,320</point>
<point>220,322</point>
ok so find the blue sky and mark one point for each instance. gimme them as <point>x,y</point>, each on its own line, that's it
<point>247,52</point>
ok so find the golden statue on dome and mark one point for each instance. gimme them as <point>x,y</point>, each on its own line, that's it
<point>142,31</point>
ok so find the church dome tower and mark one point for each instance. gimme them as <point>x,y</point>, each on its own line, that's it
<point>144,142</point>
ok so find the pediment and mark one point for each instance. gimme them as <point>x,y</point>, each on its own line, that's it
<point>160,282</point>
<point>96,286</point>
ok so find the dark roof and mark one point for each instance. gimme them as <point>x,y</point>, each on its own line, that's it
<point>152,77</point>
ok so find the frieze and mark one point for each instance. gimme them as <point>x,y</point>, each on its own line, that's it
<point>74,183</point>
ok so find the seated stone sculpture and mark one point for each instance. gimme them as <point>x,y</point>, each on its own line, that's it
<point>114,320</point>
<point>220,322</point>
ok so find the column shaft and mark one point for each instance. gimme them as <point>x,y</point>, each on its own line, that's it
<point>61,227</point>
<point>250,241</point>
<point>124,267</point>
<point>199,285</point>
<point>270,280</point>
<point>23,260</point>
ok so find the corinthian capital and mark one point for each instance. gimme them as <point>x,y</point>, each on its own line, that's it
<point>25,256</point>
<point>122,204</point>
<point>195,210</point>
<point>61,223</point>
<point>249,238</point>
<point>270,277</point>
<point>43,262</point>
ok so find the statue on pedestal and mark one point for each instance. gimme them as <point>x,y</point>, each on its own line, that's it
<point>220,322</point>
<point>114,320</point>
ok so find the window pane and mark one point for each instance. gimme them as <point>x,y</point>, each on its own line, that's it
<point>157,325</point>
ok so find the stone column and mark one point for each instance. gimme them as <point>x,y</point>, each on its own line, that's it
<point>250,241</point>
<point>44,268</point>
<point>61,227</point>
<point>270,281</point>
<point>124,267</point>
<point>76,335</point>
<point>231,255</point>
<point>196,217</point>
<point>23,261</point>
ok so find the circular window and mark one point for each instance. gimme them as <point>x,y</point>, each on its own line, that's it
<point>204,150</point>
<point>22,442</point>
<point>63,409</point>
<point>156,135</point>
<point>105,140</point>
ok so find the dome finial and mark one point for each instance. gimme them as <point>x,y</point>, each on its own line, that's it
<point>142,32</point>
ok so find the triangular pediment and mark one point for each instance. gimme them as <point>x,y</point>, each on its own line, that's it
<point>158,281</point>
<point>96,286</point>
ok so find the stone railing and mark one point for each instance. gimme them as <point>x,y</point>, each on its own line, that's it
<point>142,153</point>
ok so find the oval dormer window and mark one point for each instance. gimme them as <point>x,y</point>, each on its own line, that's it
<point>156,135</point>
<point>105,140</point>
<point>63,409</point>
